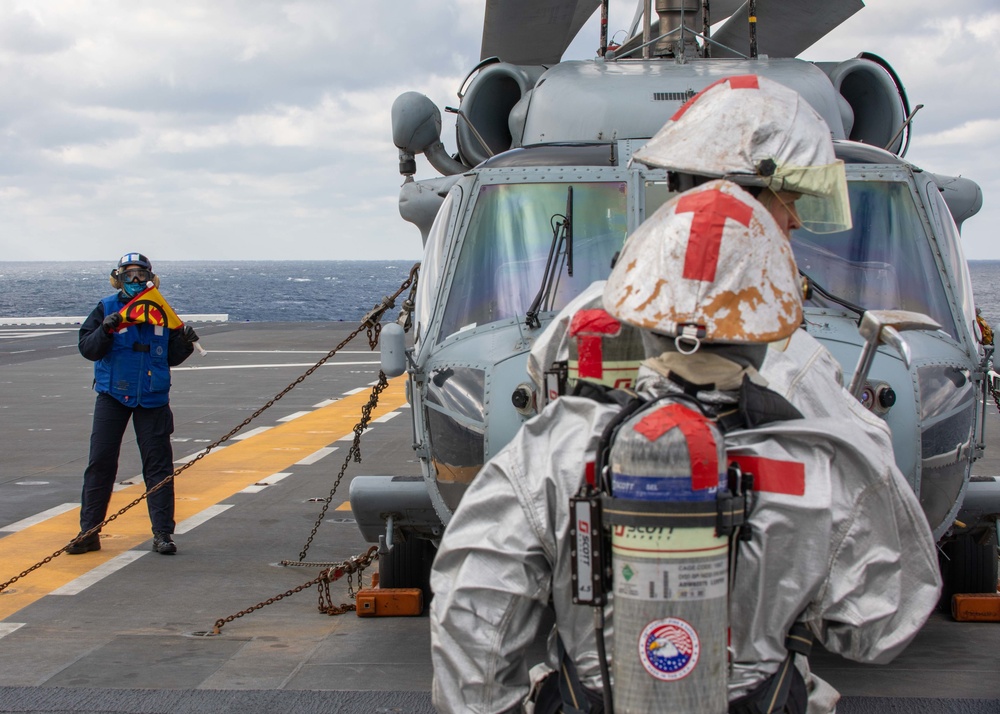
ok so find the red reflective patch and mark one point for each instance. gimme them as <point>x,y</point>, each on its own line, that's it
<point>588,327</point>
<point>740,81</point>
<point>594,322</point>
<point>711,209</point>
<point>773,476</point>
<point>702,449</point>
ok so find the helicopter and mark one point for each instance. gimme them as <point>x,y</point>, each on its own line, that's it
<point>541,195</point>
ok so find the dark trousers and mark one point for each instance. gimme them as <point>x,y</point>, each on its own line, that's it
<point>153,427</point>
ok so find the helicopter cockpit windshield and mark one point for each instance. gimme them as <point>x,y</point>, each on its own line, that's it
<point>504,253</point>
<point>884,262</point>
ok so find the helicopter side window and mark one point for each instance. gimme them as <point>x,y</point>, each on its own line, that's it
<point>503,257</point>
<point>884,262</point>
<point>950,243</point>
<point>430,266</point>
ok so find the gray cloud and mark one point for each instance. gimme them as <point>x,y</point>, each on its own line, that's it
<point>260,129</point>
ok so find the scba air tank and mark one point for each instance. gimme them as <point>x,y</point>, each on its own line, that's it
<point>670,583</point>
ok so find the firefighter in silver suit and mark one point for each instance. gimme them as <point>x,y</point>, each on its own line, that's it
<point>839,542</point>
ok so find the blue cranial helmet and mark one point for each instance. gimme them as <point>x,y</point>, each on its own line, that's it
<point>134,271</point>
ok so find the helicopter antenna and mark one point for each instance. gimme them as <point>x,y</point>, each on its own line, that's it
<point>752,11</point>
<point>604,28</point>
<point>706,29</point>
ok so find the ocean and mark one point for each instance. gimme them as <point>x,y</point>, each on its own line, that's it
<point>248,291</point>
<point>271,291</point>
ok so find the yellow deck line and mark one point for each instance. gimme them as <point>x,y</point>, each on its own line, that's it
<point>213,479</point>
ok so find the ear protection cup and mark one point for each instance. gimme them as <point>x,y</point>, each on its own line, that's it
<point>156,280</point>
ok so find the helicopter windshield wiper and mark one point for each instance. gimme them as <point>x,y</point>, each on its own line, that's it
<point>562,243</point>
<point>812,285</point>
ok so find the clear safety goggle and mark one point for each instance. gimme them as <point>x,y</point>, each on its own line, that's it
<point>134,275</point>
<point>823,205</point>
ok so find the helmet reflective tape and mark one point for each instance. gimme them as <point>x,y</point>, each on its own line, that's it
<point>713,258</point>
<point>135,259</point>
<point>754,131</point>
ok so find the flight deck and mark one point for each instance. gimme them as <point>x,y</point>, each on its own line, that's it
<point>123,629</point>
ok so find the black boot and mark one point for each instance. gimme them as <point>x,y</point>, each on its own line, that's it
<point>164,544</point>
<point>84,545</point>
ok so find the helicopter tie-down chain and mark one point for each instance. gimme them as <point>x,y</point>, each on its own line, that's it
<point>369,323</point>
<point>355,564</point>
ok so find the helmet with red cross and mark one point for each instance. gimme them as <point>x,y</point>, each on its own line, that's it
<point>710,265</point>
<point>757,132</point>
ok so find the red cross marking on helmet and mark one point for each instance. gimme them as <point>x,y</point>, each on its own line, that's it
<point>711,209</point>
<point>740,81</point>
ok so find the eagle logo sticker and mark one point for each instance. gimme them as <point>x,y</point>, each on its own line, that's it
<point>669,649</point>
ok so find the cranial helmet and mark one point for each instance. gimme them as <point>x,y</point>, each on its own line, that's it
<point>132,260</point>
<point>756,132</point>
<point>710,265</point>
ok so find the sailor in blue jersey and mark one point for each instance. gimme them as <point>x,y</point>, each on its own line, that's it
<point>132,381</point>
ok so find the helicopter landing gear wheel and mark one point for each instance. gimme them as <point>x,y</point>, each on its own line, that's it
<point>969,565</point>
<point>408,565</point>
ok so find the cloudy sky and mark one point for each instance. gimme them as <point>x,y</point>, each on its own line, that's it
<point>259,129</point>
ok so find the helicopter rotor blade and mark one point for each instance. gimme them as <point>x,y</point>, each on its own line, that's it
<point>784,29</point>
<point>533,31</point>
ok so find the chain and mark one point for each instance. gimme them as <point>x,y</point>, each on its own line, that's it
<point>354,564</point>
<point>370,322</point>
<point>353,453</point>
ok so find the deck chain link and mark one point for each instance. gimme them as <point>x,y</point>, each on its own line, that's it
<point>369,322</point>
<point>354,564</point>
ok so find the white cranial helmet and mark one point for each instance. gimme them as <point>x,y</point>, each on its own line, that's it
<point>710,265</point>
<point>757,132</point>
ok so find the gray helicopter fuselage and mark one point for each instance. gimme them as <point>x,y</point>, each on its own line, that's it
<point>549,141</point>
<point>472,335</point>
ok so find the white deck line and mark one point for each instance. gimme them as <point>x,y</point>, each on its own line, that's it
<point>74,587</point>
<point>8,627</point>
<point>317,455</point>
<point>38,518</point>
<point>262,366</point>
<point>294,415</point>
<point>274,478</point>
<point>325,403</point>
<point>290,352</point>
<point>265,482</point>
<point>197,519</point>
<point>356,391</point>
<point>385,417</point>
<point>15,334</point>
<point>188,458</point>
<point>253,432</point>
<point>8,321</point>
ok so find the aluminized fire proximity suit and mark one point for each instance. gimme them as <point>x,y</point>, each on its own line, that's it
<point>838,539</point>
<point>855,555</point>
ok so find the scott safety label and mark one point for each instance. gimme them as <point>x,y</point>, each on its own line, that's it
<point>582,553</point>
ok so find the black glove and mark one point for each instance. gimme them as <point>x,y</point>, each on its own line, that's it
<point>112,322</point>
<point>189,334</point>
